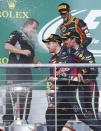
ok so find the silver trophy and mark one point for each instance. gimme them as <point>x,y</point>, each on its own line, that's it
<point>19,124</point>
<point>19,91</point>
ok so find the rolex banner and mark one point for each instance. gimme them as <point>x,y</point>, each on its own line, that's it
<point>14,12</point>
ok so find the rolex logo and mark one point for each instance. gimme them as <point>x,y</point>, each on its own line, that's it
<point>11,3</point>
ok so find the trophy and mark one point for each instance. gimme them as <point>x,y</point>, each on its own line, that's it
<point>16,92</point>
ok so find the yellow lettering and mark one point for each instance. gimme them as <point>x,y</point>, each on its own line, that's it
<point>14,14</point>
<point>18,14</point>
<point>11,15</point>
<point>25,14</point>
<point>5,14</point>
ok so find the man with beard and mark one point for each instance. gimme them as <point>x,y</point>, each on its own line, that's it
<point>21,51</point>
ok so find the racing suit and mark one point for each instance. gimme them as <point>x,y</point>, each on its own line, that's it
<point>66,102</point>
<point>78,25</point>
<point>89,85</point>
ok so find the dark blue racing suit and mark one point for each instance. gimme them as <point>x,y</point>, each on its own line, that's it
<point>67,105</point>
<point>89,87</point>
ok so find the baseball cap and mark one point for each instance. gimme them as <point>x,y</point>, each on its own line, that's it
<point>63,8</point>
<point>72,34</point>
<point>52,37</point>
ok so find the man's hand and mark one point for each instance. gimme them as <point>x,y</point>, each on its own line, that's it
<point>85,82</point>
<point>50,83</point>
<point>26,52</point>
<point>36,61</point>
<point>81,79</point>
<point>52,78</point>
<point>84,71</point>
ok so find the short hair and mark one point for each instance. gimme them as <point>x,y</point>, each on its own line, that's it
<point>30,21</point>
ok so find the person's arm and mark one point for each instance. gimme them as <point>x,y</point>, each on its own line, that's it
<point>36,61</point>
<point>59,30</point>
<point>84,29</point>
<point>84,56</point>
<point>12,41</point>
<point>88,73</point>
<point>9,47</point>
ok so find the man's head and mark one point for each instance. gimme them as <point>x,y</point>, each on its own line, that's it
<point>30,26</point>
<point>71,39</point>
<point>53,43</point>
<point>64,10</point>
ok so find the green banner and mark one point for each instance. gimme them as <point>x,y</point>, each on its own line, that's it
<point>14,12</point>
